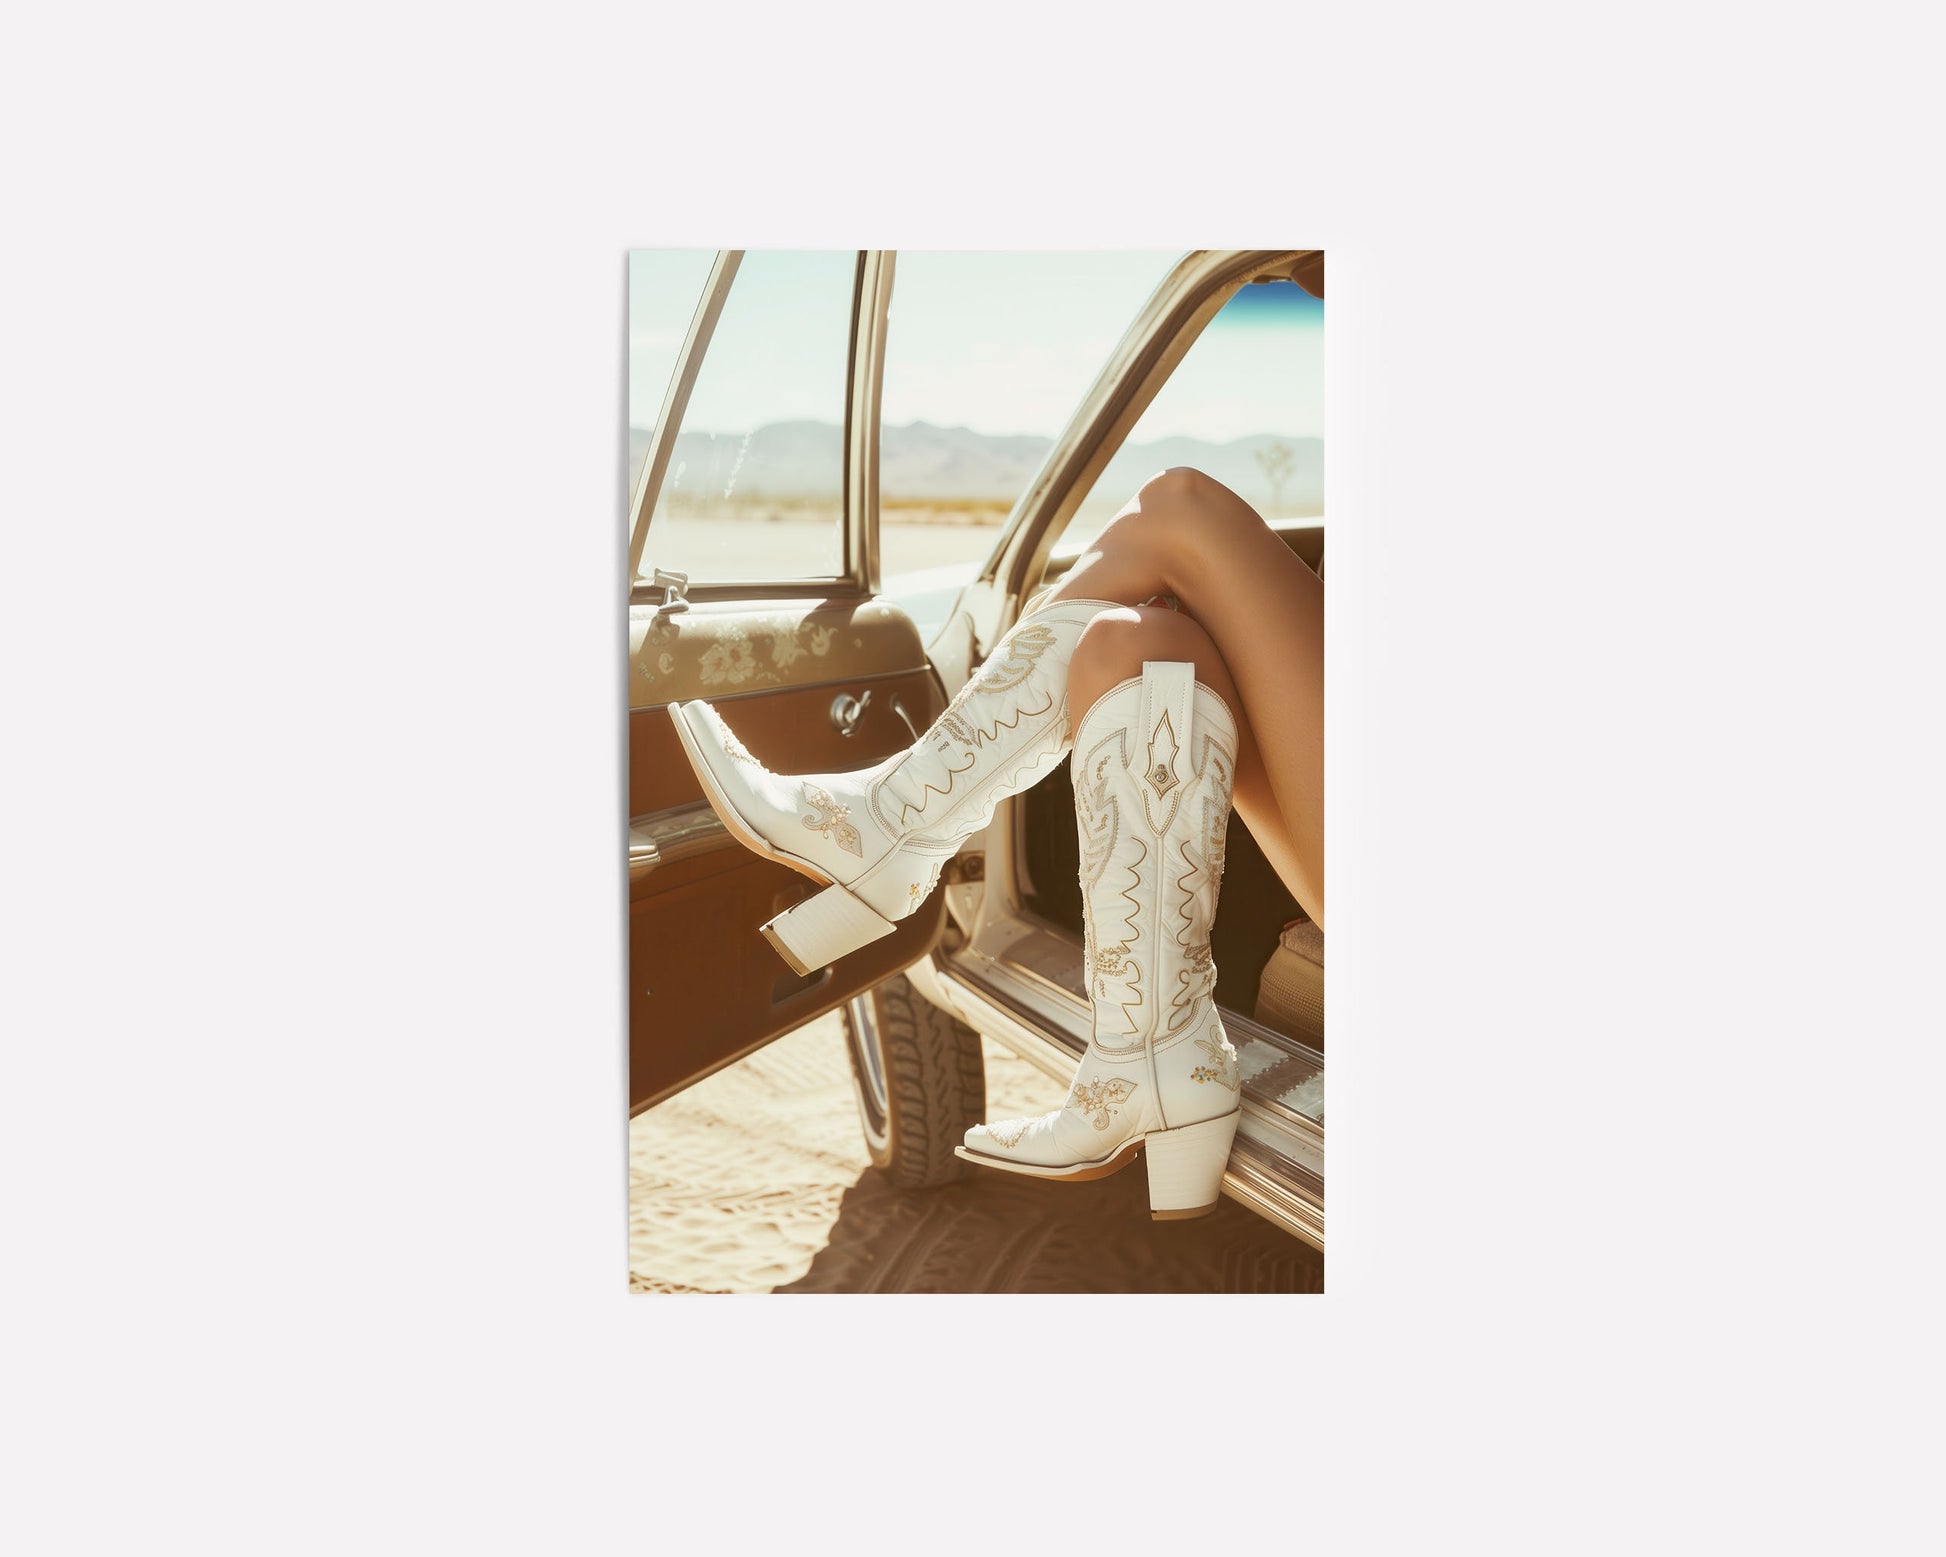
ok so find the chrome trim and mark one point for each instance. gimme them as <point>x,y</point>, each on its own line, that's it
<point>1295,1139</point>
<point>1235,1022</point>
<point>847,710</point>
<point>675,402</point>
<point>827,588</point>
<point>982,1010</point>
<point>1250,1027</point>
<point>864,369</point>
<point>869,317</point>
<point>867,1047</point>
<point>673,586</point>
<point>679,833</point>
<point>1279,1188</point>
<point>1077,1004</point>
<point>1169,324</point>
<point>1252,1183</point>
<point>1034,927</point>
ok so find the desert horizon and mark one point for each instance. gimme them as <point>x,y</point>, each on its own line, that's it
<point>970,473</point>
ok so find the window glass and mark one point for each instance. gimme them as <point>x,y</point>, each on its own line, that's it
<point>987,355</point>
<point>755,483</point>
<point>664,287</point>
<point>1245,405</point>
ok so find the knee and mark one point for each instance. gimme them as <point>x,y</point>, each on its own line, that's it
<point>1127,635</point>
<point>1180,484</point>
<point>1113,646</point>
<point>1182,508</point>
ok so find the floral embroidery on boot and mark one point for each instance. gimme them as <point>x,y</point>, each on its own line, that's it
<point>1099,1099</point>
<point>1223,1073</point>
<point>828,817</point>
<point>1008,1132</point>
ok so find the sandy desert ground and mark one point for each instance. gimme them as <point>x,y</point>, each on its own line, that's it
<point>911,541</point>
<point>756,1180</point>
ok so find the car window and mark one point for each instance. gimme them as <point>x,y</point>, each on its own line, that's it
<point>1245,405</point>
<point>987,355</point>
<point>755,483</point>
<point>664,287</point>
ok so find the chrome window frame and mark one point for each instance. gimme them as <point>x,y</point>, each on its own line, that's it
<point>864,374</point>
<point>1150,350</point>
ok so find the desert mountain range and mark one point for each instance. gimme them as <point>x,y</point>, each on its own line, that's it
<point>929,462</point>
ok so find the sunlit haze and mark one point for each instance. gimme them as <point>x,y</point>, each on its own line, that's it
<point>1002,343</point>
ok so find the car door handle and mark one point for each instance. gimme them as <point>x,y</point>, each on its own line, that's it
<point>847,710</point>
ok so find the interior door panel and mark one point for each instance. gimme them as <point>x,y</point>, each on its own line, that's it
<point>705,987</point>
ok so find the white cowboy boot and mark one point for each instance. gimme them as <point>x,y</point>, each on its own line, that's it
<point>1154,766</point>
<point>877,839</point>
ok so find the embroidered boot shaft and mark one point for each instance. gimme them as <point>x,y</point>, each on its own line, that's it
<point>877,839</point>
<point>1154,771</point>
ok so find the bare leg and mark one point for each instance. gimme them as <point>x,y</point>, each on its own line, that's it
<point>1188,535</point>
<point>1113,649</point>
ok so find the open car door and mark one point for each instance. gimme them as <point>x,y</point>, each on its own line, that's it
<point>1014,972</point>
<point>753,584</point>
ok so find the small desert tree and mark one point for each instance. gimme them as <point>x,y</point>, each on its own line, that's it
<point>1276,461</point>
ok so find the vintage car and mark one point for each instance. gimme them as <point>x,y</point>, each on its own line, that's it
<point>828,672</point>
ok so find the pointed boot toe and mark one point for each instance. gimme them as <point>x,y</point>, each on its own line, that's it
<point>877,839</point>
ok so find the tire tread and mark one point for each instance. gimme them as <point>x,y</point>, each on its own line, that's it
<point>935,1080</point>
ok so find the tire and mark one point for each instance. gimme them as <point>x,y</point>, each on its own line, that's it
<point>920,1080</point>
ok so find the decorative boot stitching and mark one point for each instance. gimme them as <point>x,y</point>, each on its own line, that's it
<point>1194,906</point>
<point>927,789</point>
<point>1162,758</point>
<point>919,891</point>
<point>1009,1133</point>
<point>1100,1098</point>
<point>734,747</point>
<point>978,736</point>
<point>951,827</point>
<point>1117,962</point>
<point>1016,655</point>
<point>1099,817</point>
<point>1224,1072</point>
<point>973,738</point>
<point>1114,960</point>
<point>828,818</point>
<point>1100,813</point>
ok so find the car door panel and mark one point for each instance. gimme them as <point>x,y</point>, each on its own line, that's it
<point>705,987</point>
<point>708,989</point>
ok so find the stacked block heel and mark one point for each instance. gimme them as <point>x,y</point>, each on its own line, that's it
<point>1186,1167</point>
<point>823,928</point>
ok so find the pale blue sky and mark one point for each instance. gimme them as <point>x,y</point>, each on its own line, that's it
<point>1003,342</point>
